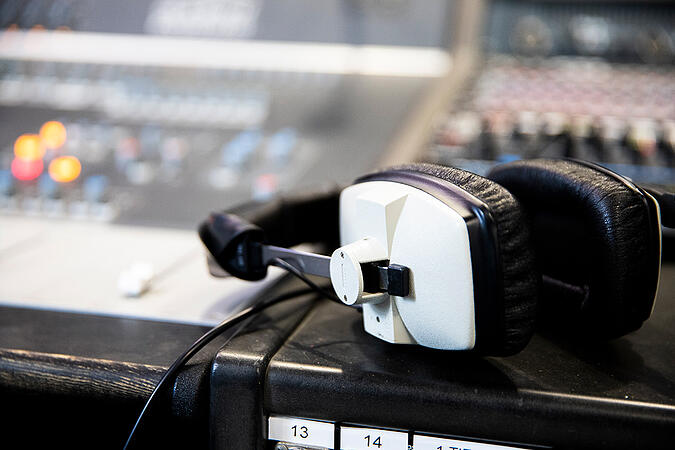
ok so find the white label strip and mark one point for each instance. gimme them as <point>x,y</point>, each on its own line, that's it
<point>302,431</point>
<point>165,51</point>
<point>434,443</point>
<point>372,439</point>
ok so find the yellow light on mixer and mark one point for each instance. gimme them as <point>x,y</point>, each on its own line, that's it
<point>53,134</point>
<point>28,147</point>
<point>65,169</point>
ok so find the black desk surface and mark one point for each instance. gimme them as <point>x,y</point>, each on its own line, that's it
<point>98,370</point>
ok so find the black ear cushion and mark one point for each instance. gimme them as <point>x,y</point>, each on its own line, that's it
<point>597,243</point>
<point>519,280</point>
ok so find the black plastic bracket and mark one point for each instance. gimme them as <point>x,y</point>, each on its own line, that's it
<point>380,276</point>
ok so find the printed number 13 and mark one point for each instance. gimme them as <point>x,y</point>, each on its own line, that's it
<point>304,432</point>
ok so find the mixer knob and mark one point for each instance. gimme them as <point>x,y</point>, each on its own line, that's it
<point>238,151</point>
<point>173,151</point>
<point>497,130</point>
<point>99,142</point>
<point>127,150</point>
<point>52,204</point>
<point>281,145</point>
<point>596,142</point>
<point>531,36</point>
<point>60,14</point>
<point>591,35</point>
<point>95,188</point>
<point>666,144</point>
<point>140,172</point>
<point>611,131</point>
<point>9,12</point>
<point>487,143</point>
<point>525,135</point>
<point>655,46</point>
<point>48,187</point>
<point>641,141</point>
<point>265,186</point>
<point>7,184</point>
<point>150,139</point>
<point>569,147</point>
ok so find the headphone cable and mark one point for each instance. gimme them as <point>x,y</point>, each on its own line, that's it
<point>278,262</point>
<point>207,338</point>
<point>227,323</point>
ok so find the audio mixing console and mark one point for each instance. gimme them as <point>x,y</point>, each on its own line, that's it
<point>122,128</point>
<point>592,81</point>
<point>124,124</point>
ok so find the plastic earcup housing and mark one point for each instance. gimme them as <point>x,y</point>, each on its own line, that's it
<point>517,279</point>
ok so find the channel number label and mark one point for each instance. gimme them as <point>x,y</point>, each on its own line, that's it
<point>302,431</point>
<point>352,438</point>
<point>434,443</point>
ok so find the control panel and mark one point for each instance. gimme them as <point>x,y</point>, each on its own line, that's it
<point>617,31</point>
<point>291,433</point>
<point>165,145</point>
<point>591,81</point>
<point>614,114</point>
<point>123,127</point>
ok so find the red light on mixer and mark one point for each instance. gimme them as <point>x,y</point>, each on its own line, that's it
<point>27,169</point>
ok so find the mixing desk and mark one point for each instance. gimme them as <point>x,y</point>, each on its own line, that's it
<point>573,80</point>
<point>124,124</point>
<point>122,128</point>
<point>619,115</point>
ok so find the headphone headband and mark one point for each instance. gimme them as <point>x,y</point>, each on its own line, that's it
<point>295,219</point>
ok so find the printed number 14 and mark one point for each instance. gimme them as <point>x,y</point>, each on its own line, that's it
<point>375,443</point>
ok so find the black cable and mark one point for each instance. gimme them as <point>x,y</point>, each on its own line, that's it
<point>278,262</point>
<point>209,336</point>
<point>224,325</point>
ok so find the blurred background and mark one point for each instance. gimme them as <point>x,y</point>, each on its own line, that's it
<point>123,124</point>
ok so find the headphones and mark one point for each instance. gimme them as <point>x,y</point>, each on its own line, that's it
<point>444,258</point>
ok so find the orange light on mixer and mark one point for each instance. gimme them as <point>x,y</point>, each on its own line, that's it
<point>28,147</point>
<point>53,134</point>
<point>27,169</point>
<point>65,169</point>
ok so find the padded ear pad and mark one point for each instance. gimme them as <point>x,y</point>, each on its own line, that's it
<point>597,240</point>
<point>518,279</point>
